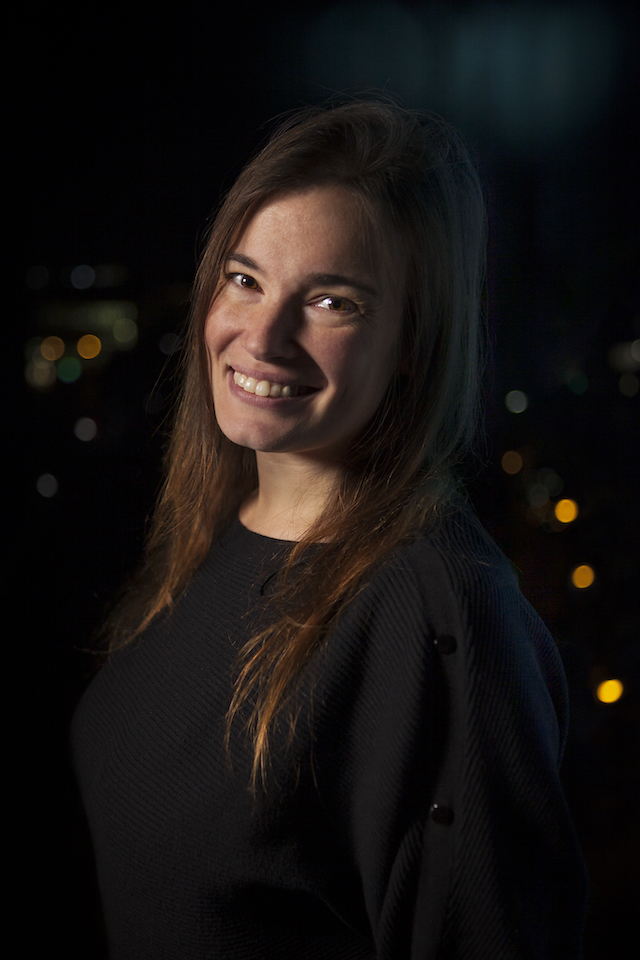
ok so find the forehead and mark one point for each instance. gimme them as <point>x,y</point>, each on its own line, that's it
<point>323,226</point>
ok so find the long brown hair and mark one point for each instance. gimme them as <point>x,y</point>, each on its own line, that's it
<point>420,193</point>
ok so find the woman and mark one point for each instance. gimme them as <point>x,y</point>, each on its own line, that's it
<point>330,725</point>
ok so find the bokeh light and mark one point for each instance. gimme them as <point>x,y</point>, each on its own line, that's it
<point>69,370</point>
<point>86,429</point>
<point>89,346</point>
<point>537,495</point>
<point>83,277</point>
<point>511,462</point>
<point>40,373</point>
<point>168,343</point>
<point>609,691</point>
<point>516,401</point>
<point>52,348</point>
<point>583,576</point>
<point>578,382</point>
<point>566,510</point>
<point>628,384</point>
<point>125,332</point>
<point>625,356</point>
<point>47,485</point>
<point>550,480</point>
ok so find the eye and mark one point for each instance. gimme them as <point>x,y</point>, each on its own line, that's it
<point>244,280</point>
<point>337,304</point>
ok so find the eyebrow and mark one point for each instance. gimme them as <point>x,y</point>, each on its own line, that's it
<point>331,279</point>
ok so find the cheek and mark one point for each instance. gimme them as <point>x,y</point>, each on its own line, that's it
<point>216,330</point>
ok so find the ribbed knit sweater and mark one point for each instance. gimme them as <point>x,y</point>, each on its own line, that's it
<point>417,812</point>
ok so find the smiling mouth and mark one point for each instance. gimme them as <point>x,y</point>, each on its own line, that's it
<point>269,388</point>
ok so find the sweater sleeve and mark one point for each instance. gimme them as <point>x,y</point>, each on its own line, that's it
<point>458,821</point>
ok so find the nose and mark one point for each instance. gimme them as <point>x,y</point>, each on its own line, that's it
<point>270,331</point>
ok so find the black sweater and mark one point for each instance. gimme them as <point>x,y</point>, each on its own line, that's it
<point>417,813</point>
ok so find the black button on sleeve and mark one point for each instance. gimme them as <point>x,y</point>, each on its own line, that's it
<point>441,814</point>
<point>445,644</point>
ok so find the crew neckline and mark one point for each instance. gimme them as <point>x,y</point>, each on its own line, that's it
<point>261,536</point>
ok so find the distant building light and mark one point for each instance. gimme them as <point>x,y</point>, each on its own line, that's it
<point>516,401</point>
<point>511,462</point>
<point>52,348</point>
<point>83,277</point>
<point>583,576</point>
<point>609,691</point>
<point>168,343</point>
<point>47,485</point>
<point>69,370</point>
<point>125,332</point>
<point>578,382</point>
<point>89,346</point>
<point>628,384</point>
<point>625,356</point>
<point>86,429</point>
<point>566,511</point>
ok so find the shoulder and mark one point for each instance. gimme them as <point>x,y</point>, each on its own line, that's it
<point>451,567</point>
<point>453,581</point>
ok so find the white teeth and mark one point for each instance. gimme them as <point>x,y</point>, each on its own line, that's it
<point>263,388</point>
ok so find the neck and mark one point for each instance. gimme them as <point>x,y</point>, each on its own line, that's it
<point>292,494</point>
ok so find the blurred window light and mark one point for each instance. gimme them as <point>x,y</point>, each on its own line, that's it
<point>37,277</point>
<point>511,462</point>
<point>629,384</point>
<point>566,510</point>
<point>168,343</point>
<point>89,346</point>
<point>609,691</point>
<point>47,485</point>
<point>83,277</point>
<point>516,401</point>
<point>625,357</point>
<point>550,479</point>
<point>537,495</point>
<point>125,332</point>
<point>112,321</point>
<point>578,382</point>
<point>583,576</point>
<point>69,370</point>
<point>52,348</point>
<point>86,429</point>
<point>537,72</point>
<point>40,373</point>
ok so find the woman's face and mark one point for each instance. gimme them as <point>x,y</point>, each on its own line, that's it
<point>302,337</point>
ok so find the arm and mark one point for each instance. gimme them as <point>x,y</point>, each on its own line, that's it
<point>474,726</point>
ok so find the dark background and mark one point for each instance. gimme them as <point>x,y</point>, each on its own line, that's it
<point>125,130</point>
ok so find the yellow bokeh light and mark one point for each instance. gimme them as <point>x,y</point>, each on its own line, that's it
<point>89,346</point>
<point>511,462</point>
<point>566,510</point>
<point>52,348</point>
<point>609,691</point>
<point>583,576</point>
